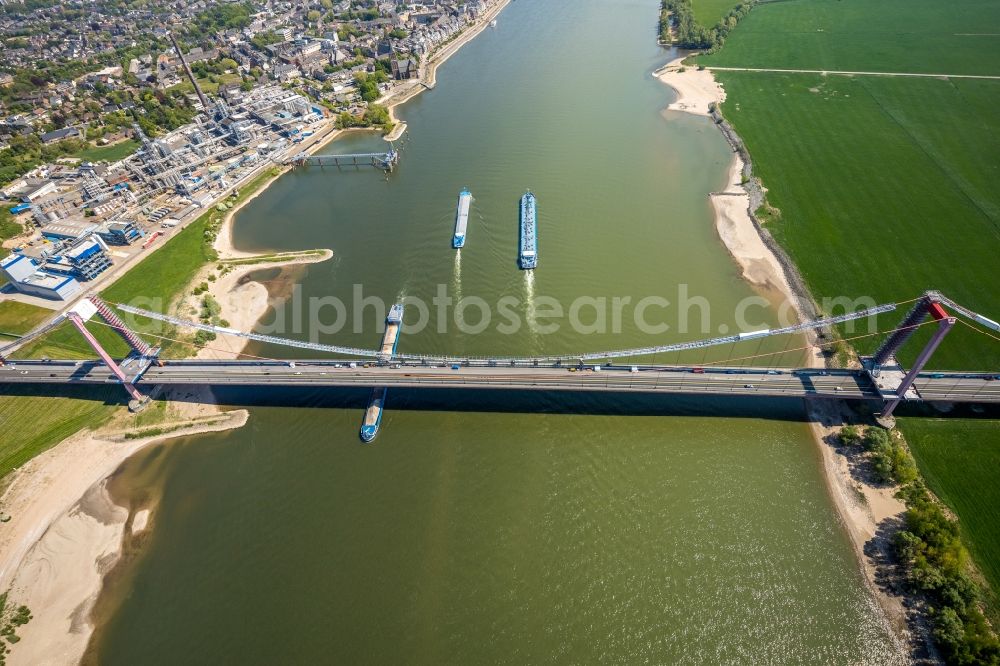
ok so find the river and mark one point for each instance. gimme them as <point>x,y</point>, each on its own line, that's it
<point>504,528</point>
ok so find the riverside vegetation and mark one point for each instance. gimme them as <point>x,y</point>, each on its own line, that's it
<point>683,25</point>
<point>936,563</point>
<point>958,460</point>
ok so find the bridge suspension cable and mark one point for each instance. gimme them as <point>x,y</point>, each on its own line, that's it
<point>259,337</point>
<point>621,353</point>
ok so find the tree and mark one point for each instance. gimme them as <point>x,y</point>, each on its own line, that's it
<point>850,436</point>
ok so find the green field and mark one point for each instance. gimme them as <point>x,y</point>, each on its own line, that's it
<point>709,12</point>
<point>162,275</point>
<point>890,177</point>
<point>65,342</point>
<point>960,460</point>
<point>35,419</point>
<point>19,318</point>
<point>930,36</point>
<point>112,153</point>
<point>9,227</point>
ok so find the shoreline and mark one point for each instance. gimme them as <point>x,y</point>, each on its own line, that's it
<point>859,507</point>
<point>428,79</point>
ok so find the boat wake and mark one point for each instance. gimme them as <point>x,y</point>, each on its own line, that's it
<point>456,275</point>
<point>529,288</point>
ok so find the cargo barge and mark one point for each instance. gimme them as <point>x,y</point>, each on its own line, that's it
<point>528,256</point>
<point>390,340</point>
<point>376,404</point>
<point>373,415</point>
<point>461,218</point>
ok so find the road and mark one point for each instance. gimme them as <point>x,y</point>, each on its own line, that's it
<point>848,73</point>
<point>845,384</point>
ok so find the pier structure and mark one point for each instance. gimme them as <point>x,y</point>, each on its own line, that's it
<point>384,161</point>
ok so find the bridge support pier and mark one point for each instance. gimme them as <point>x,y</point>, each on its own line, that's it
<point>137,344</point>
<point>139,401</point>
<point>902,333</point>
<point>944,325</point>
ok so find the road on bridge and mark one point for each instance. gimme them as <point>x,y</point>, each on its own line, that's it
<point>811,383</point>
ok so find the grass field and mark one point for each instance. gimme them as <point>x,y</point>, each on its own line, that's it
<point>884,186</point>
<point>9,227</point>
<point>112,153</point>
<point>930,36</point>
<point>34,419</point>
<point>65,342</point>
<point>709,12</point>
<point>960,460</point>
<point>163,274</point>
<point>19,318</point>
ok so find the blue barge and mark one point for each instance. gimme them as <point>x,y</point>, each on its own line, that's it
<point>528,256</point>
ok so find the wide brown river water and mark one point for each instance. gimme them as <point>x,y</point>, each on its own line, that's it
<point>504,527</point>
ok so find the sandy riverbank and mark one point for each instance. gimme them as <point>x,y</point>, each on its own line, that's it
<point>696,90</point>
<point>861,507</point>
<point>65,532</point>
<point>243,302</point>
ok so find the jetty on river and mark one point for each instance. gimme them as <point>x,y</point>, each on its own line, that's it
<point>385,161</point>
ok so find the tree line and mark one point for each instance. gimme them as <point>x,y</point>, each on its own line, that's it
<point>679,27</point>
<point>930,551</point>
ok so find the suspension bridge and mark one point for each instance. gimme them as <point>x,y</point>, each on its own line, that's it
<point>880,379</point>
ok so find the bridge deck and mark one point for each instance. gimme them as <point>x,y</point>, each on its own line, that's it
<point>806,383</point>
